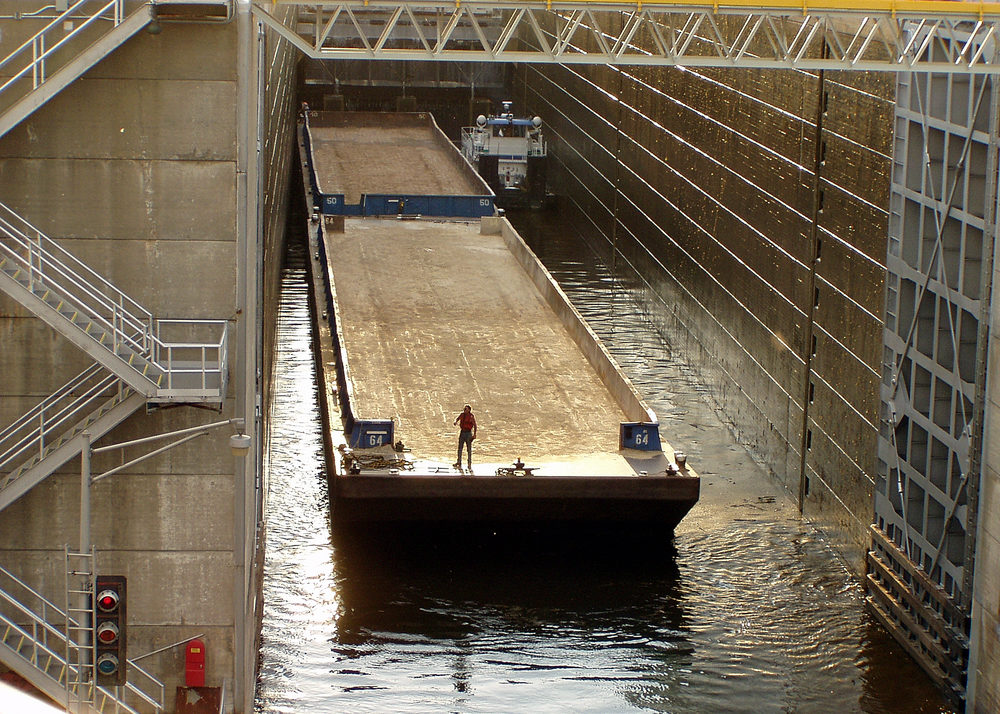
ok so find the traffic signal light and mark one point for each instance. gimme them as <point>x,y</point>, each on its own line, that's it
<point>109,630</point>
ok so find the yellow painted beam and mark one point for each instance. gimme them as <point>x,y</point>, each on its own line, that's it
<point>914,8</point>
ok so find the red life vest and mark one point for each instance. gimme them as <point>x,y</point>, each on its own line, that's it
<point>466,421</point>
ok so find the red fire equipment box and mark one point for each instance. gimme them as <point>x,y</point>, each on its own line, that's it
<point>194,664</point>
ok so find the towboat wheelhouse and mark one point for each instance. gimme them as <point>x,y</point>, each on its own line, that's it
<point>510,154</point>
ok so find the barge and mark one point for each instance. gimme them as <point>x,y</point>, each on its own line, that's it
<point>420,315</point>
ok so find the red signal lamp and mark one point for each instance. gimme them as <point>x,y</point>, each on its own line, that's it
<point>107,633</point>
<point>107,601</point>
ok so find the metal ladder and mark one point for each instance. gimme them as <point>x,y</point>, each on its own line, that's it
<point>79,655</point>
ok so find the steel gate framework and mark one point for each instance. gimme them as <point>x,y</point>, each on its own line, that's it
<point>938,300</point>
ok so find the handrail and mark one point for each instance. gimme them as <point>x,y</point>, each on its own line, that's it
<point>224,359</point>
<point>130,323</point>
<point>35,619</point>
<point>139,692</point>
<point>164,352</point>
<point>48,252</point>
<point>63,417</point>
<point>48,604</point>
<point>37,644</point>
<point>52,267</point>
<point>41,628</point>
<point>21,234</point>
<point>91,289</point>
<point>226,684</point>
<point>38,39</point>
<point>28,442</point>
<point>46,403</point>
<point>115,323</point>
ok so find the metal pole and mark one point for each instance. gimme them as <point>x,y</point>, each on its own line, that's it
<point>142,458</point>
<point>240,613</point>
<point>247,157</point>
<point>85,493</point>
<point>85,580</point>
<point>238,423</point>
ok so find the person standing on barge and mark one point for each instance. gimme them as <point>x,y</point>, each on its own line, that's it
<point>466,421</point>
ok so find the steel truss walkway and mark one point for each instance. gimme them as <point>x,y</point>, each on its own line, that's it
<point>885,35</point>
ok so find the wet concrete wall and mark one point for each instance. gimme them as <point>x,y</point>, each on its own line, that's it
<point>700,186</point>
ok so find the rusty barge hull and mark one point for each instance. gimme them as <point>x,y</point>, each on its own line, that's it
<point>658,501</point>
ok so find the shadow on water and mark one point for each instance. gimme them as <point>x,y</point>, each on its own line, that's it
<point>567,576</point>
<point>513,620</point>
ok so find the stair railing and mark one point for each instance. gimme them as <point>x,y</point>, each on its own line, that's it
<point>42,624</point>
<point>205,362</point>
<point>36,55</point>
<point>188,365</point>
<point>50,265</point>
<point>46,421</point>
<point>145,682</point>
<point>41,621</point>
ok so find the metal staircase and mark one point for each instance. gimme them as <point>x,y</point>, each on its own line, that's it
<point>34,643</point>
<point>49,435</point>
<point>138,359</point>
<point>135,365</point>
<point>61,50</point>
<point>107,324</point>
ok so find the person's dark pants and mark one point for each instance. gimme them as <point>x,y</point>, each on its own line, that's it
<point>465,439</point>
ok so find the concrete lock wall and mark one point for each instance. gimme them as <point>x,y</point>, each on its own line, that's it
<point>703,182</point>
<point>134,169</point>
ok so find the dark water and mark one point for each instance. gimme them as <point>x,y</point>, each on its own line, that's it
<point>747,611</point>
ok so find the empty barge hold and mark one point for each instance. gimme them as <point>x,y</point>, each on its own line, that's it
<point>377,164</point>
<point>419,317</point>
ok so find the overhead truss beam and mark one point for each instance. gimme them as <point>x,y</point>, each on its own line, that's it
<point>880,35</point>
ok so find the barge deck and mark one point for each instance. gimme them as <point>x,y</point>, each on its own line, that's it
<point>419,317</point>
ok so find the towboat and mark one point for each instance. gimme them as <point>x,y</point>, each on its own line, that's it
<point>510,153</point>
